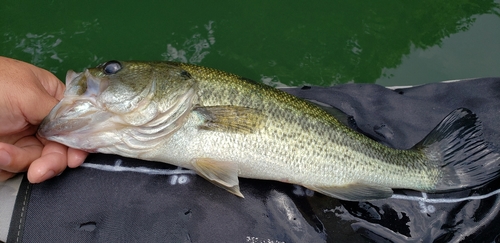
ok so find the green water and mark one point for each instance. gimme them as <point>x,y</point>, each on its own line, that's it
<point>279,42</point>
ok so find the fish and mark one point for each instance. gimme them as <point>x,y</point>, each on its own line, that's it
<point>223,127</point>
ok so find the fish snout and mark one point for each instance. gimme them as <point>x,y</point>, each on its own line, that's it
<point>67,116</point>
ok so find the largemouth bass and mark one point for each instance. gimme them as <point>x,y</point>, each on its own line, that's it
<point>224,126</point>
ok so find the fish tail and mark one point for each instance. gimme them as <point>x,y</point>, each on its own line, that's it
<point>457,148</point>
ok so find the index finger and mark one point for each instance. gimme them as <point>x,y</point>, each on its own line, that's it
<point>52,162</point>
<point>21,154</point>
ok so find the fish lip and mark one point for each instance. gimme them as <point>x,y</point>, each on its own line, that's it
<point>73,122</point>
<point>71,76</point>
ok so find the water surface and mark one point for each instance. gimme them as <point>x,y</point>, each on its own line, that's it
<point>278,42</point>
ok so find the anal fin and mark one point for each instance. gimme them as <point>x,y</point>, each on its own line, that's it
<point>222,174</point>
<point>358,191</point>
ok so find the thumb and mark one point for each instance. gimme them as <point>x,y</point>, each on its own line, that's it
<point>50,83</point>
<point>51,91</point>
<point>38,106</point>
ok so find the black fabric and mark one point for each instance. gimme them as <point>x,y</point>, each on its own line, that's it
<point>16,228</point>
<point>167,205</point>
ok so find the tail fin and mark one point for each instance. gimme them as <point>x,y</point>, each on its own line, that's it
<point>457,146</point>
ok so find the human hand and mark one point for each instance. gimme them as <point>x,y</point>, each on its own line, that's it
<point>27,94</point>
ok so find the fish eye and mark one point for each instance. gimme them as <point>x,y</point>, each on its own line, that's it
<point>111,67</point>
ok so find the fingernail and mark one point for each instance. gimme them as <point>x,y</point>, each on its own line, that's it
<point>4,158</point>
<point>49,174</point>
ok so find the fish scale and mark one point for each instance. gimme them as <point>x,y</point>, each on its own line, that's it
<point>316,131</point>
<point>224,126</point>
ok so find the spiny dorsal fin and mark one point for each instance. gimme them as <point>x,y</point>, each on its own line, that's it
<point>235,119</point>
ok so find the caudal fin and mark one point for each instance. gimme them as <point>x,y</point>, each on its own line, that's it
<point>457,146</point>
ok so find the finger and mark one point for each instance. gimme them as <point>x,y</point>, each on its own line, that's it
<point>51,84</point>
<point>34,114</point>
<point>5,175</point>
<point>20,155</point>
<point>76,157</point>
<point>34,85</point>
<point>49,81</point>
<point>52,162</point>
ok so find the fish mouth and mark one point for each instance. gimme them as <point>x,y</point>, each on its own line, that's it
<point>71,121</point>
<point>65,117</point>
<point>78,113</point>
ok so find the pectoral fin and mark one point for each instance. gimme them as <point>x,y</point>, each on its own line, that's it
<point>231,118</point>
<point>355,191</point>
<point>222,174</point>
